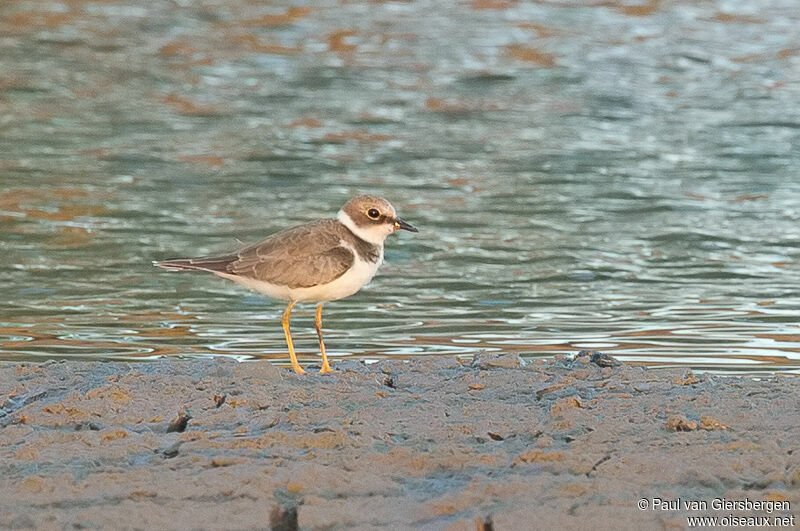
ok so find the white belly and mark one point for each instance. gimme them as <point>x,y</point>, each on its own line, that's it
<point>344,286</point>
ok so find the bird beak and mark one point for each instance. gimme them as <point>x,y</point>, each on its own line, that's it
<point>400,223</point>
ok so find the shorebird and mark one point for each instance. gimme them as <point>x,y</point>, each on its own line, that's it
<point>320,261</point>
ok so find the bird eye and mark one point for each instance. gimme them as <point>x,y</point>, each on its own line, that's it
<point>373,213</point>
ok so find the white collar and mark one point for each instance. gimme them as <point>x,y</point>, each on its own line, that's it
<point>372,237</point>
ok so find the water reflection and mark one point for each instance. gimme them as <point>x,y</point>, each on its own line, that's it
<point>609,176</point>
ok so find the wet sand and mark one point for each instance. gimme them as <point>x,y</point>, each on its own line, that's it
<point>434,443</point>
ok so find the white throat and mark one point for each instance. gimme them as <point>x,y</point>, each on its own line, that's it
<point>374,235</point>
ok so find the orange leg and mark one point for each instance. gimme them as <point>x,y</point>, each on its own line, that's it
<point>318,323</point>
<point>285,322</point>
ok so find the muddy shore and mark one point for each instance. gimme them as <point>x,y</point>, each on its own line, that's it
<point>434,443</point>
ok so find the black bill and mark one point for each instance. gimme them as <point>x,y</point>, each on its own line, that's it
<point>403,224</point>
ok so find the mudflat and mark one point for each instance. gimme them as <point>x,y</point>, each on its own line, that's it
<point>434,443</point>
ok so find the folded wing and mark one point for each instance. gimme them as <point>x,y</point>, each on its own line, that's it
<point>300,257</point>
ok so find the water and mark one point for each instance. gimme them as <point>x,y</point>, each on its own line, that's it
<point>615,176</point>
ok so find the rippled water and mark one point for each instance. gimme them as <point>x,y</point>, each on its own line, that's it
<point>614,176</point>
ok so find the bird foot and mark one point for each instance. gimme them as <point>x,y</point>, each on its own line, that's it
<point>326,369</point>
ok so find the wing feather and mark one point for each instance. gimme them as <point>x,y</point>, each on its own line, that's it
<point>300,257</point>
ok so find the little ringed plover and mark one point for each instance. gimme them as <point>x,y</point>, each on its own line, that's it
<point>320,261</point>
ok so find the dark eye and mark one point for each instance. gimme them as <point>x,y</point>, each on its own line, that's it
<point>373,213</point>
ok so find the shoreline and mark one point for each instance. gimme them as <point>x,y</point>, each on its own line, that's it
<point>432,442</point>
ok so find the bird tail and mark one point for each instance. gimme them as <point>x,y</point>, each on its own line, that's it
<point>176,264</point>
<point>213,264</point>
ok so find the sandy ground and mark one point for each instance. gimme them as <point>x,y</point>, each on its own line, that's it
<point>433,443</point>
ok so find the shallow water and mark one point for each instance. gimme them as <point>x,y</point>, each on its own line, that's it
<point>620,177</point>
